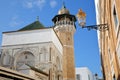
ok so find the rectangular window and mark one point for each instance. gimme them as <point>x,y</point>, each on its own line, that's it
<point>88,77</point>
<point>115,17</point>
<point>77,76</point>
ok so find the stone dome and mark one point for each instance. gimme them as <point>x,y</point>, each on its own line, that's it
<point>63,10</point>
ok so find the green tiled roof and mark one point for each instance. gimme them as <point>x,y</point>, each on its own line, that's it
<point>32,26</point>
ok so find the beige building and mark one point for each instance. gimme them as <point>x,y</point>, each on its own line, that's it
<point>108,12</point>
<point>43,53</point>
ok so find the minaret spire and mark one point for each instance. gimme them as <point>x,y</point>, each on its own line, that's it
<point>37,19</point>
<point>63,5</point>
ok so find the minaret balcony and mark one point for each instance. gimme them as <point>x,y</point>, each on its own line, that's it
<point>64,22</point>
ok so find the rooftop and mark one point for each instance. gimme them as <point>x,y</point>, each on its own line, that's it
<point>33,26</point>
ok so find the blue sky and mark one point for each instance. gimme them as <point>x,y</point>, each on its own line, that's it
<point>15,14</point>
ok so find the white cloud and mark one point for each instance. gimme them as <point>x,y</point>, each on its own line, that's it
<point>28,4</point>
<point>14,21</point>
<point>40,3</point>
<point>34,3</point>
<point>53,3</point>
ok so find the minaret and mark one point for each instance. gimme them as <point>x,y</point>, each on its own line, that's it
<point>65,27</point>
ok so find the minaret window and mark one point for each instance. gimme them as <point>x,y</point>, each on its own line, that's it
<point>68,38</point>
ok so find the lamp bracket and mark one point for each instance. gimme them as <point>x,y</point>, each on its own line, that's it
<point>100,27</point>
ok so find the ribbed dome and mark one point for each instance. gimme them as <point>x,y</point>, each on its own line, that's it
<point>63,10</point>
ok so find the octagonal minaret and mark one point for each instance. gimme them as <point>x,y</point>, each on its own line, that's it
<point>65,27</point>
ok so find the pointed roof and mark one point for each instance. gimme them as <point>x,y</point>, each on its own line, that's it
<point>33,26</point>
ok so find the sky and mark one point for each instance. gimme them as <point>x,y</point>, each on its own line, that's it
<point>15,14</point>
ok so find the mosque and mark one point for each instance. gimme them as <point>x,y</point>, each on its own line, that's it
<point>36,52</point>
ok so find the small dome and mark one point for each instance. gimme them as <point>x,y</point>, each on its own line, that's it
<point>63,10</point>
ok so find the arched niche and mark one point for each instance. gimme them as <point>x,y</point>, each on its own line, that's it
<point>6,60</point>
<point>24,58</point>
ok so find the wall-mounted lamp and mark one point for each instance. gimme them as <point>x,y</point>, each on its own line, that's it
<point>81,16</point>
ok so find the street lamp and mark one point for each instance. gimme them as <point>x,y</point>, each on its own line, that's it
<point>81,16</point>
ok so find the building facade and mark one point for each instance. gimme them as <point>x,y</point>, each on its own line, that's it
<point>107,12</point>
<point>30,53</point>
<point>83,73</point>
<point>43,53</point>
